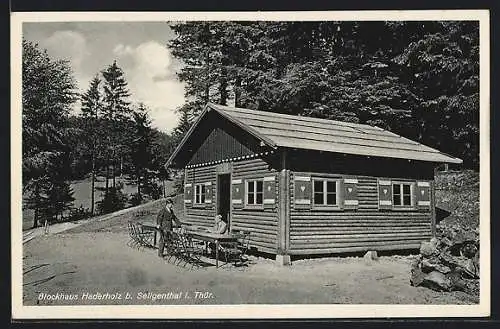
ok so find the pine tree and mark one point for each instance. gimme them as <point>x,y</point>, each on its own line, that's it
<point>141,148</point>
<point>116,105</point>
<point>185,120</point>
<point>206,61</point>
<point>49,90</point>
<point>115,111</point>
<point>92,110</point>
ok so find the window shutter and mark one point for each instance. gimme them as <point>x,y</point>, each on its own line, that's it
<point>208,193</point>
<point>188,194</point>
<point>302,191</point>
<point>423,195</point>
<point>237,193</point>
<point>384,194</point>
<point>351,193</point>
<point>269,192</point>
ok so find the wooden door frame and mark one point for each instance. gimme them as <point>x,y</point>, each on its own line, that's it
<point>217,206</point>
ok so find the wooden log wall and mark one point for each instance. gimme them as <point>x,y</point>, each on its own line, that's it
<point>366,228</point>
<point>201,215</point>
<point>261,223</point>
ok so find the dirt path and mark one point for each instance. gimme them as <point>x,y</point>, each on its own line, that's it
<point>73,263</point>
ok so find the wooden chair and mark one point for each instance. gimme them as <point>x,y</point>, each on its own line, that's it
<point>142,239</point>
<point>197,250</point>
<point>191,252</point>
<point>180,249</point>
<point>174,248</point>
<point>132,242</point>
<point>235,252</point>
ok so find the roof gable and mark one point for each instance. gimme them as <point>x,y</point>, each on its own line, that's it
<point>216,137</point>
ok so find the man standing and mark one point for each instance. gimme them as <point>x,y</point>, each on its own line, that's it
<point>165,221</point>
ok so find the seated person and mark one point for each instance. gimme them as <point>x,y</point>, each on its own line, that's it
<point>219,226</point>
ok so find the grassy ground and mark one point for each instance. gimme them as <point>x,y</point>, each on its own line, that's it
<point>94,258</point>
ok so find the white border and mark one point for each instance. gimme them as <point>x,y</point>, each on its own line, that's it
<point>247,311</point>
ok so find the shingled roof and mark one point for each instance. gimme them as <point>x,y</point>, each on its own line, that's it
<point>291,131</point>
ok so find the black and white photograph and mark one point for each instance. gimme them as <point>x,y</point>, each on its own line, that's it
<point>224,165</point>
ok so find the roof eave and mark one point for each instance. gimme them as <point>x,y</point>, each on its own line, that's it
<point>447,158</point>
<point>455,161</point>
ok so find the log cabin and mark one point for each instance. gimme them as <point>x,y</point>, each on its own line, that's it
<point>307,186</point>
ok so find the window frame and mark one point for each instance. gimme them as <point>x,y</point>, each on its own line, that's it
<point>325,182</point>
<point>254,181</point>
<point>201,195</point>
<point>403,206</point>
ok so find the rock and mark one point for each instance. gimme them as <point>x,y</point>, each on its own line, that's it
<point>447,242</point>
<point>448,260</point>
<point>415,262</point>
<point>435,242</point>
<point>468,269</point>
<point>457,283</point>
<point>417,276</point>
<point>469,249</point>
<point>437,281</point>
<point>428,266</point>
<point>456,249</point>
<point>475,259</point>
<point>472,287</point>
<point>427,249</point>
<point>370,256</point>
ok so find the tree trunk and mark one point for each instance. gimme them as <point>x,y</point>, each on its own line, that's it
<point>37,204</point>
<point>114,169</point>
<point>92,201</point>
<point>237,91</point>
<point>138,184</point>
<point>223,86</point>
<point>107,176</point>
<point>35,218</point>
<point>207,86</point>
<point>114,174</point>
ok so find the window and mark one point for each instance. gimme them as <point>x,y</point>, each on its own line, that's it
<point>401,194</point>
<point>255,192</point>
<point>325,192</point>
<point>199,194</point>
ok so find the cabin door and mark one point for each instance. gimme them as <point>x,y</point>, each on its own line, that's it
<point>224,198</point>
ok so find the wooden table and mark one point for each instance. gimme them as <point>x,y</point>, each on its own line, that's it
<point>214,238</point>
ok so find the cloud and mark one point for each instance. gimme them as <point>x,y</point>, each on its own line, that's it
<point>121,50</point>
<point>72,46</point>
<point>152,80</point>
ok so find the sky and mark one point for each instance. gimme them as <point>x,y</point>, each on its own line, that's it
<point>139,48</point>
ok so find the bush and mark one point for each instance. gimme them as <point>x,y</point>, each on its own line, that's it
<point>78,213</point>
<point>113,200</point>
<point>154,190</point>
<point>135,199</point>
